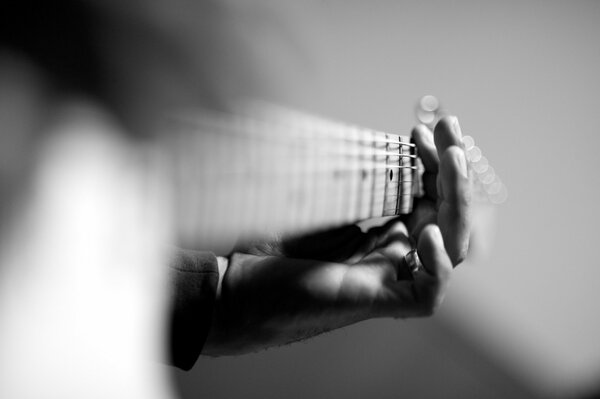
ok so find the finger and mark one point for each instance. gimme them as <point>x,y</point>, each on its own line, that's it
<point>395,233</point>
<point>377,237</point>
<point>447,133</point>
<point>388,231</point>
<point>430,285</point>
<point>423,138</point>
<point>454,211</point>
<point>346,243</point>
<point>335,244</point>
<point>430,185</point>
<point>424,212</point>
<point>390,255</point>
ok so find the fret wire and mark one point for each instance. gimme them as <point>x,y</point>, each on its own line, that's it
<point>359,188</point>
<point>392,186</point>
<point>401,183</point>
<point>405,185</point>
<point>372,200</point>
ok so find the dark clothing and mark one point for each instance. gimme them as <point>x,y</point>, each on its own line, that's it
<point>194,277</point>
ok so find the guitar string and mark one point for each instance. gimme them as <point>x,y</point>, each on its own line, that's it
<point>343,153</point>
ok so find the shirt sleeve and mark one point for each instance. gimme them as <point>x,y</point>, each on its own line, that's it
<point>193,278</point>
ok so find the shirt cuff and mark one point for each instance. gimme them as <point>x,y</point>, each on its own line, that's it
<point>193,277</point>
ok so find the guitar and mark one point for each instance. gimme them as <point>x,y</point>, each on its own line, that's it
<point>86,265</point>
<point>264,169</point>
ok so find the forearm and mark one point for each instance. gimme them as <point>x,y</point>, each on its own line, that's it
<point>270,301</point>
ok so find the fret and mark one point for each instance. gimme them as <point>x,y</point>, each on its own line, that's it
<point>323,166</point>
<point>379,178</point>
<point>312,184</point>
<point>373,177</point>
<point>236,180</point>
<point>340,177</point>
<point>322,199</point>
<point>318,182</point>
<point>303,194</point>
<point>392,179</point>
<point>367,177</point>
<point>354,175</point>
<point>294,163</point>
<point>267,208</point>
<point>240,168</point>
<point>406,190</point>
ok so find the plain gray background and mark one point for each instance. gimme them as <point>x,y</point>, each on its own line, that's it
<point>523,79</point>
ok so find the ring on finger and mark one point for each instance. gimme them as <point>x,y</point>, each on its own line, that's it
<point>413,261</point>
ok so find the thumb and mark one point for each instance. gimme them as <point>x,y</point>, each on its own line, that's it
<point>431,283</point>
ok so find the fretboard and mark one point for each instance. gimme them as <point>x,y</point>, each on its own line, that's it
<point>266,170</point>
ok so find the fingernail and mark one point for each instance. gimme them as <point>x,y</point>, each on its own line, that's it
<point>456,127</point>
<point>462,164</point>
<point>429,136</point>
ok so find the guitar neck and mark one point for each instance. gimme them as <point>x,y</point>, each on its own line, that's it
<point>263,170</point>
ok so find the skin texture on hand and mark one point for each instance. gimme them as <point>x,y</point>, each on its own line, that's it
<point>448,189</point>
<point>286,290</point>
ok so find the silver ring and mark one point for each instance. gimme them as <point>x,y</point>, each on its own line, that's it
<point>413,262</point>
